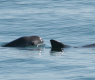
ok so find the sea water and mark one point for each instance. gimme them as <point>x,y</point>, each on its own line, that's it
<point>70,21</point>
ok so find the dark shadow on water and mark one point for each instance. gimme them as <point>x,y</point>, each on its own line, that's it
<point>56,51</point>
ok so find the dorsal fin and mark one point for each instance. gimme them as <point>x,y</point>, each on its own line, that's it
<point>57,44</point>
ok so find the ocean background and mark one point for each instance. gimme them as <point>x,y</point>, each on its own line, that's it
<point>70,21</point>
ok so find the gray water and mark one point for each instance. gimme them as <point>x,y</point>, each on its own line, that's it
<point>70,21</point>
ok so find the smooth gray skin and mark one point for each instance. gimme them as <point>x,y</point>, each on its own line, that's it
<point>25,41</point>
<point>57,45</point>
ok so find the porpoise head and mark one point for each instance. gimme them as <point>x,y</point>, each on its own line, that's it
<point>25,41</point>
<point>36,40</point>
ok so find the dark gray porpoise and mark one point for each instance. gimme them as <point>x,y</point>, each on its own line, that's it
<point>25,41</point>
<point>57,45</point>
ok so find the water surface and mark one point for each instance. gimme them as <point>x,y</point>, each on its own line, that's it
<point>69,21</point>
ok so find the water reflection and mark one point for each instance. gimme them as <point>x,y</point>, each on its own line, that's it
<point>56,51</point>
<point>31,52</point>
<point>32,49</point>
